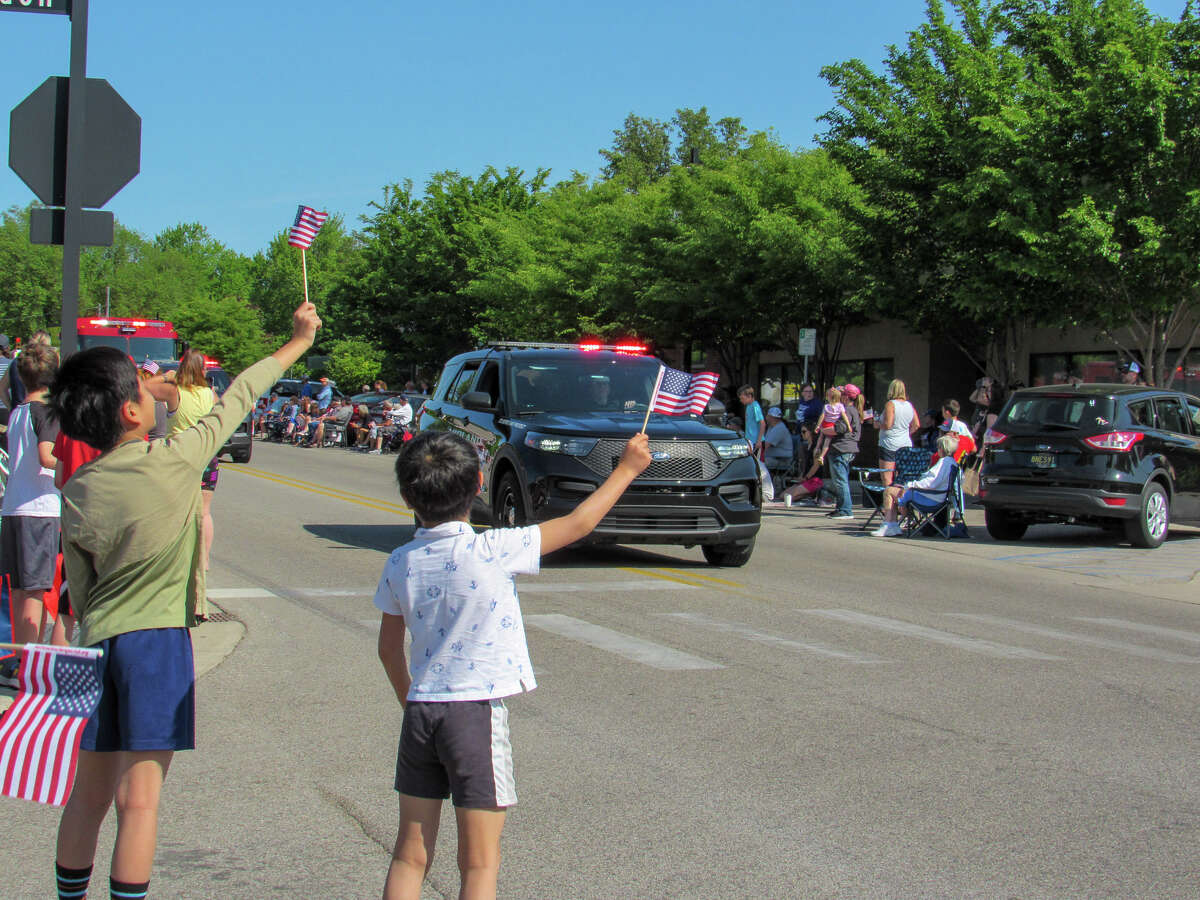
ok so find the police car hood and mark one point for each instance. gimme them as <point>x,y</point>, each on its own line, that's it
<point>624,425</point>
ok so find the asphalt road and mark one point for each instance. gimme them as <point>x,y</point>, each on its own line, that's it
<point>845,717</point>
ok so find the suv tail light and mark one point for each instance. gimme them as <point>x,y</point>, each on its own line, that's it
<point>992,437</point>
<point>1121,441</point>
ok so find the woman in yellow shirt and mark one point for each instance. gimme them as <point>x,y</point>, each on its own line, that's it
<point>189,398</point>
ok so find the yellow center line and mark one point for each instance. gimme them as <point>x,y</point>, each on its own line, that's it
<point>687,574</point>
<point>312,484</point>
<point>322,491</point>
<point>650,573</point>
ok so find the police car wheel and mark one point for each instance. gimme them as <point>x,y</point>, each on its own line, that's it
<point>510,505</point>
<point>731,555</point>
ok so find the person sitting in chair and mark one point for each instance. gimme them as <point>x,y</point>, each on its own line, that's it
<point>935,481</point>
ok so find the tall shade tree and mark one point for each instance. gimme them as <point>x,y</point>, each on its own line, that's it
<point>417,256</point>
<point>30,278</point>
<point>1031,162</point>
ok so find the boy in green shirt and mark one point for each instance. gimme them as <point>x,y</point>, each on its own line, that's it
<point>131,537</point>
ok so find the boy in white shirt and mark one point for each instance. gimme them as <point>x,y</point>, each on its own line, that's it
<point>454,590</point>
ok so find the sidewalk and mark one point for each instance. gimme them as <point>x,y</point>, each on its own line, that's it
<point>211,643</point>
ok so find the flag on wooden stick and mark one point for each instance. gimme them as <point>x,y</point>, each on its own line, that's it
<point>679,393</point>
<point>40,732</point>
<point>304,230</point>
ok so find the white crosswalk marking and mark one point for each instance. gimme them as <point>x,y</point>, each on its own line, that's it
<point>961,642</point>
<point>1119,646</point>
<point>773,640</point>
<point>632,648</point>
<point>243,593</point>
<point>1177,634</point>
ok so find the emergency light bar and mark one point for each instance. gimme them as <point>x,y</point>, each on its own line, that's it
<point>582,345</point>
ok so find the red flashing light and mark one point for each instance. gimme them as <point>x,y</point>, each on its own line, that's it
<point>590,345</point>
<point>1120,441</point>
<point>635,349</point>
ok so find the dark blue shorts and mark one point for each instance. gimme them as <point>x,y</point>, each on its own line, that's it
<point>148,696</point>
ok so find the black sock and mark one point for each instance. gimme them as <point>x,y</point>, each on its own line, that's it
<point>125,890</point>
<point>72,883</point>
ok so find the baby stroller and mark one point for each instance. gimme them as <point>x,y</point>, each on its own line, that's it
<point>394,441</point>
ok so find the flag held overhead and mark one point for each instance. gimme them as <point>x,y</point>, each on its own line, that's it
<point>304,230</point>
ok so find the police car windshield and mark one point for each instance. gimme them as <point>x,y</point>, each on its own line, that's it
<point>592,383</point>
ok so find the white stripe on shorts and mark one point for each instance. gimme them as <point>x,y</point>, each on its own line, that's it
<point>502,764</point>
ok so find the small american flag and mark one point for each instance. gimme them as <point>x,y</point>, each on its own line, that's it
<point>149,365</point>
<point>304,229</point>
<point>40,732</point>
<point>678,392</point>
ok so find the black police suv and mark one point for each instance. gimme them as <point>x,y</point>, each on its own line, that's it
<point>1124,457</point>
<point>550,422</point>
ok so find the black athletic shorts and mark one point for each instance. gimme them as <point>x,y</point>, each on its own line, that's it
<point>460,749</point>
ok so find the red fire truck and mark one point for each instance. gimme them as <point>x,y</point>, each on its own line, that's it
<point>139,338</point>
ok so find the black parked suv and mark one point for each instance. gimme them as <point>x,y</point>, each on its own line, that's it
<point>1119,456</point>
<point>550,422</point>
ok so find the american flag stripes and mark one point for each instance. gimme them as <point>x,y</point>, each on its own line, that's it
<point>40,732</point>
<point>304,229</point>
<point>679,393</point>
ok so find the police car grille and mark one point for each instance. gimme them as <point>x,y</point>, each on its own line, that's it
<point>688,460</point>
<point>634,520</point>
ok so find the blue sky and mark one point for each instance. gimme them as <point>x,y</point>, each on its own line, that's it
<point>249,108</point>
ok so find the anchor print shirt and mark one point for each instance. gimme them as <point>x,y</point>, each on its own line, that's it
<point>457,594</point>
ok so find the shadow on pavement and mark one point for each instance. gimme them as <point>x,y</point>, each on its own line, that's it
<point>384,538</point>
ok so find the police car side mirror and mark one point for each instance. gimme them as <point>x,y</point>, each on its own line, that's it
<point>479,401</point>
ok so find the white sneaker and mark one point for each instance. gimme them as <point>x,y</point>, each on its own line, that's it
<point>887,529</point>
<point>787,500</point>
<point>374,452</point>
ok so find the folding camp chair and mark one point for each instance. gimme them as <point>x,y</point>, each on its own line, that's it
<point>911,463</point>
<point>937,512</point>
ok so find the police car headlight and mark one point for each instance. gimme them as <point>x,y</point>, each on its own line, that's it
<point>732,449</point>
<point>571,446</point>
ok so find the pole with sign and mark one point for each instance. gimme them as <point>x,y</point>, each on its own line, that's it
<point>806,346</point>
<point>75,142</point>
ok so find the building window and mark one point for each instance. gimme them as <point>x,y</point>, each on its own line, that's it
<point>1187,376</point>
<point>871,375</point>
<point>1073,368</point>
<point>779,385</point>
<point>1088,368</point>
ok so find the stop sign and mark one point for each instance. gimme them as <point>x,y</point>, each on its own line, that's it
<point>37,145</point>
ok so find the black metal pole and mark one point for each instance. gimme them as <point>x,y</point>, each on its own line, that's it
<point>73,214</point>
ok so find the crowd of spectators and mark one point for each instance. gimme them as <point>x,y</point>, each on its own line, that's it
<point>323,420</point>
<point>811,459</point>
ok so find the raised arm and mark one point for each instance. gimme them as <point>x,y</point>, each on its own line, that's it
<point>587,515</point>
<point>200,443</point>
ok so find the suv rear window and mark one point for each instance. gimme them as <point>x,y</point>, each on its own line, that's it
<point>1038,411</point>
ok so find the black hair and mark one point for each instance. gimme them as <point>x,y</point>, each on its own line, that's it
<point>438,475</point>
<point>88,393</point>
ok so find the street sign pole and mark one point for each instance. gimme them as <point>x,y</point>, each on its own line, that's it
<point>73,213</point>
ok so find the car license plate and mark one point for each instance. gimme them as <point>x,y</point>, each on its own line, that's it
<point>1042,460</point>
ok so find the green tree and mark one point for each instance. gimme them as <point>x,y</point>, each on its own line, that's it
<point>353,362</point>
<point>30,278</point>
<point>410,282</point>
<point>1028,163</point>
